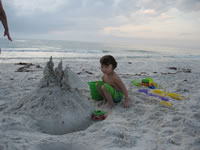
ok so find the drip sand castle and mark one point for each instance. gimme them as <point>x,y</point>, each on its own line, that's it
<point>56,106</point>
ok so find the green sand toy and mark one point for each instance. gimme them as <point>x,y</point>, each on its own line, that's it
<point>147,80</point>
<point>98,115</point>
<point>136,82</point>
<point>99,112</point>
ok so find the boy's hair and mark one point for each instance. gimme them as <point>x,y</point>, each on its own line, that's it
<point>107,60</point>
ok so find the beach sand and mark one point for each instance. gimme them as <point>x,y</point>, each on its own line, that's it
<point>146,125</point>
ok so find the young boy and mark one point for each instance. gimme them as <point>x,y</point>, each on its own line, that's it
<point>113,89</point>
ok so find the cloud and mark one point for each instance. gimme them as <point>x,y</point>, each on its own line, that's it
<point>28,7</point>
<point>47,16</point>
<point>164,5</point>
<point>151,24</point>
<point>93,19</point>
<point>189,5</point>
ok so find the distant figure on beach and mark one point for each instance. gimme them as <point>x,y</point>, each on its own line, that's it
<point>4,21</point>
<point>112,88</point>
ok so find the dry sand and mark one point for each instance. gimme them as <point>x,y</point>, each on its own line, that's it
<point>31,119</point>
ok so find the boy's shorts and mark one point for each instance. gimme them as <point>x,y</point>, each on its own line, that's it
<point>116,95</point>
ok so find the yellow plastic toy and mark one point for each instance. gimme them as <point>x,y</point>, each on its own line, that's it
<point>147,82</point>
<point>164,94</point>
<point>166,103</point>
<point>176,96</point>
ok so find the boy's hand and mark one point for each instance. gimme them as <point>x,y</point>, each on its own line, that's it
<point>126,104</point>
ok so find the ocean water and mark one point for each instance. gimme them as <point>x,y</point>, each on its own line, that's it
<point>41,50</point>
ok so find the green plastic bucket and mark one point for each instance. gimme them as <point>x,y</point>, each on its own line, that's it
<point>93,90</point>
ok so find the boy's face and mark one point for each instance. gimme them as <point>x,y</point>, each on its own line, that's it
<point>107,69</point>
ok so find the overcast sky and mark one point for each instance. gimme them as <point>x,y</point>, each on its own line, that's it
<point>173,23</point>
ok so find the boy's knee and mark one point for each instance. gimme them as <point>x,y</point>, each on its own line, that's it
<point>97,86</point>
<point>103,88</point>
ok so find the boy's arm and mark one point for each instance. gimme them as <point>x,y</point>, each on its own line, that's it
<point>119,82</point>
<point>102,78</point>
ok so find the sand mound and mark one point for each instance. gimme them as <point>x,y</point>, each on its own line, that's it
<point>57,104</point>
